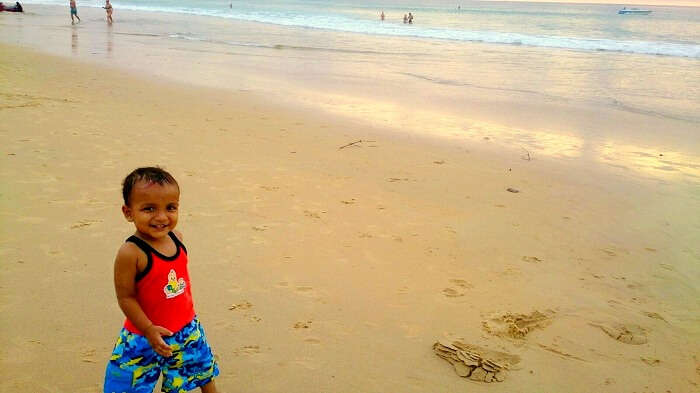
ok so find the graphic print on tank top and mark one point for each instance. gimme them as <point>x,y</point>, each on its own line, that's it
<point>175,286</point>
<point>163,288</point>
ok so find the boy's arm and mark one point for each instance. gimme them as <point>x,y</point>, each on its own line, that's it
<point>125,270</point>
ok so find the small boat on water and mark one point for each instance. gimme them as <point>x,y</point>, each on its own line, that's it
<point>634,11</point>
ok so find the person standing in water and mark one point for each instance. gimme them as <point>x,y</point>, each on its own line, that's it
<point>73,12</point>
<point>381,16</point>
<point>410,18</point>
<point>108,8</point>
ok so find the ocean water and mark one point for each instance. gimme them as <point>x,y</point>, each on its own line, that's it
<point>668,31</point>
<point>583,52</point>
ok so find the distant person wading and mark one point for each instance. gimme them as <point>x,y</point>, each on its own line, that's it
<point>73,12</point>
<point>109,9</point>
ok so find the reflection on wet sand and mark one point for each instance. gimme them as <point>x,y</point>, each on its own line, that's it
<point>432,122</point>
<point>110,40</point>
<point>650,162</point>
<point>537,142</point>
<point>74,40</point>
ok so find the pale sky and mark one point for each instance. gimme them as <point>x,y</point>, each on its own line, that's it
<point>692,3</point>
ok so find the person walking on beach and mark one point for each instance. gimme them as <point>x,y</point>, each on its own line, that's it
<point>162,332</point>
<point>73,12</point>
<point>108,8</point>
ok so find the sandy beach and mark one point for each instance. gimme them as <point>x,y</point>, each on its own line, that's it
<point>329,252</point>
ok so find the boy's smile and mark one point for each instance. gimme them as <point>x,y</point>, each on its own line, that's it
<point>153,208</point>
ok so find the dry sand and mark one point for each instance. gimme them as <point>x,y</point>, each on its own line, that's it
<point>319,269</point>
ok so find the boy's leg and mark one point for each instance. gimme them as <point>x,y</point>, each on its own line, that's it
<point>209,388</point>
<point>133,367</point>
<point>192,364</point>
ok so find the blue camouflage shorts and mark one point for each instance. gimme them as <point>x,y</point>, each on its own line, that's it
<point>135,367</point>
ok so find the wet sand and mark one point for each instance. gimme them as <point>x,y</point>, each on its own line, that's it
<point>329,255</point>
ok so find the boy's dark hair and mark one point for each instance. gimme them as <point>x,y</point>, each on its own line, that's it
<point>151,174</point>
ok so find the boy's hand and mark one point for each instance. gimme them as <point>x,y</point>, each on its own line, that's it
<point>154,335</point>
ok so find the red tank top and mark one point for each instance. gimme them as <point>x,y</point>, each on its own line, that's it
<point>163,288</point>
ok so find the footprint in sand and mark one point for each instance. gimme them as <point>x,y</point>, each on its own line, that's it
<point>52,253</point>
<point>461,285</point>
<point>303,325</point>
<point>84,223</point>
<point>531,259</point>
<point>88,356</point>
<point>403,290</point>
<point>667,266</point>
<point>517,326</point>
<point>476,363</point>
<point>245,305</point>
<point>624,333</point>
<point>653,315</point>
<point>247,350</point>
<point>309,213</point>
<point>449,292</point>
<point>306,291</point>
<point>610,253</point>
<point>614,251</point>
<point>348,202</point>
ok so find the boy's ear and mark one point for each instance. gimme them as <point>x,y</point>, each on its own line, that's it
<point>127,213</point>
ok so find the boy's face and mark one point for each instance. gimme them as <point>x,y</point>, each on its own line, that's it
<point>153,209</point>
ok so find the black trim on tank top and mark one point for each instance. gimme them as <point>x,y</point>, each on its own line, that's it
<point>146,248</point>
<point>149,250</point>
<point>177,241</point>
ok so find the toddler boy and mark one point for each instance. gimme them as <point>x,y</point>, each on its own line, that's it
<point>152,283</point>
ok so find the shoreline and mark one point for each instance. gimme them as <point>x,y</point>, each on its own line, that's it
<point>548,127</point>
<point>352,261</point>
